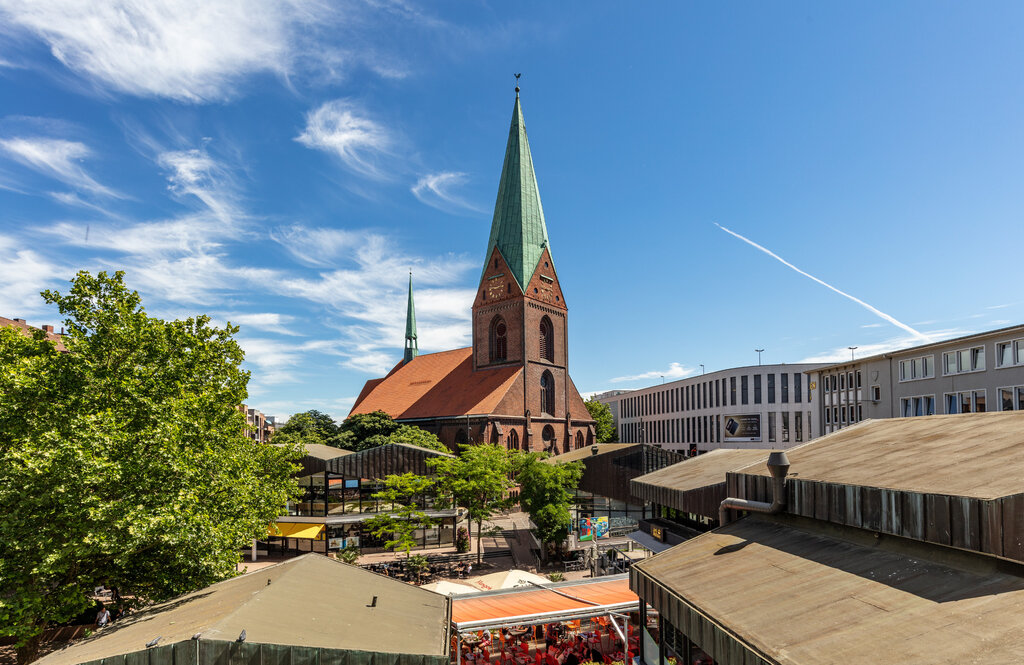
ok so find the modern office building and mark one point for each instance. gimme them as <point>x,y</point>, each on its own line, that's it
<point>972,374</point>
<point>762,406</point>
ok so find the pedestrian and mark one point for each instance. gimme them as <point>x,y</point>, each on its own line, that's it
<point>103,616</point>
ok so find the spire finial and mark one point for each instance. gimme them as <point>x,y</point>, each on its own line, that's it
<point>517,84</point>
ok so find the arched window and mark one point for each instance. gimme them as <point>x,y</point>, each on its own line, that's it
<point>547,393</point>
<point>513,440</point>
<point>547,340</point>
<point>495,437</point>
<point>499,340</point>
<point>460,438</point>
<point>548,436</point>
<point>579,439</point>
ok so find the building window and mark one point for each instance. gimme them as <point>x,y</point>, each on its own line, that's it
<point>771,427</point>
<point>842,382</point>
<point>825,383</point>
<point>732,391</point>
<point>797,387</point>
<point>547,340</point>
<point>828,416</point>
<point>923,405</point>
<point>757,389</point>
<point>547,393</point>
<point>460,438</point>
<point>784,377</point>
<point>512,441</point>
<point>785,426</point>
<point>876,393</point>
<point>913,369</point>
<point>967,401</point>
<point>1011,398</point>
<point>499,340</point>
<point>743,388</point>
<point>858,382</point>
<point>547,435</point>
<point>579,439</point>
<point>771,389</point>
<point>1010,353</point>
<point>798,427</point>
<point>964,360</point>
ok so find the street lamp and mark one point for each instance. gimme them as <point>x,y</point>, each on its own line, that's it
<point>662,378</point>
<point>702,369</point>
<point>852,349</point>
<point>759,356</point>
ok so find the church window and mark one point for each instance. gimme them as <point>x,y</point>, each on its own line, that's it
<point>495,263</point>
<point>460,438</point>
<point>579,439</point>
<point>547,393</point>
<point>547,340</point>
<point>499,340</point>
<point>548,436</point>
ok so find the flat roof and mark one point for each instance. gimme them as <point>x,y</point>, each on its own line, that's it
<point>703,470</point>
<point>975,455</point>
<point>555,602</point>
<point>321,451</point>
<point>309,601</point>
<point>799,596</point>
<point>587,451</point>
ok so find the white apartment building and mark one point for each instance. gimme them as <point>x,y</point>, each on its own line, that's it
<point>761,406</point>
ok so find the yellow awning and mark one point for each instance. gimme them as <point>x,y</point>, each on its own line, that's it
<point>296,530</point>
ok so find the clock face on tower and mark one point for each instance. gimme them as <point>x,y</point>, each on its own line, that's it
<point>495,289</point>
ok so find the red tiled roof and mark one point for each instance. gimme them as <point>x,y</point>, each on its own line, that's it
<point>436,385</point>
<point>21,325</point>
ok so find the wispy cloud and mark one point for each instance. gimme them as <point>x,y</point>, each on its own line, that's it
<point>25,273</point>
<point>344,129</point>
<point>872,325</point>
<point>874,310</point>
<point>674,371</point>
<point>863,350</point>
<point>268,321</point>
<point>187,50</point>
<point>435,190</point>
<point>56,158</point>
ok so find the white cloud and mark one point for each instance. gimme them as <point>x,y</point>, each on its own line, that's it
<point>319,246</point>
<point>674,371</point>
<point>872,325</point>
<point>874,310</point>
<point>25,273</point>
<point>188,50</point>
<point>842,354</point>
<point>343,129</point>
<point>435,190</point>
<point>56,158</point>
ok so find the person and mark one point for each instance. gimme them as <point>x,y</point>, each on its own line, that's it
<point>103,616</point>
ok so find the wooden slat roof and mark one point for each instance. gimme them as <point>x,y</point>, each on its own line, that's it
<point>703,470</point>
<point>974,455</point>
<point>797,596</point>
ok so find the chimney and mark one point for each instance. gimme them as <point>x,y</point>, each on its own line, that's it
<point>594,449</point>
<point>19,320</point>
<point>48,329</point>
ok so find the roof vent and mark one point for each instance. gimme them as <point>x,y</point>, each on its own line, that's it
<point>594,449</point>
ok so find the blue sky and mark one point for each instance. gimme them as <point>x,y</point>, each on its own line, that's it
<point>283,164</point>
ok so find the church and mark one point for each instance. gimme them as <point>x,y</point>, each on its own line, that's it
<point>512,386</point>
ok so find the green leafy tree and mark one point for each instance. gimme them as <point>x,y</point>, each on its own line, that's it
<point>416,436</point>
<point>478,480</point>
<point>309,427</point>
<point>124,461</point>
<point>401,516</point>
<point>599,411</point>
<point>349,555</point>
<point>362,431</point>
<point>546,493</point>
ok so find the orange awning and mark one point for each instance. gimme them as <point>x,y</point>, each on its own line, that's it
<point>530,604</point>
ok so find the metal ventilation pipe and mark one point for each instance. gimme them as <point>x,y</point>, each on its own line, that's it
<point>778,466</point>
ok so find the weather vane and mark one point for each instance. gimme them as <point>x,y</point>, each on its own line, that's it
<point>517,83</point>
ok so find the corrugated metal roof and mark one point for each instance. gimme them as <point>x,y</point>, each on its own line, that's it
<point>972,455</point>
<point>517,228</point>
<point>795,595</point>
<point>703,470</point>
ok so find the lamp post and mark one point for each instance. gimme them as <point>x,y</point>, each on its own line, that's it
<point>662,378</point>
<point>759,356</point>
<point>852,349</point>
<point>702,368</point>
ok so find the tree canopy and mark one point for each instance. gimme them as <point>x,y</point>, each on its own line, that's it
<point>362,431</point>
<point>401,515</point>
<point>124,461</point>
<point>309,427</point>
<point>546,493</point>
<point>599,411</point>
<point>478,480</point>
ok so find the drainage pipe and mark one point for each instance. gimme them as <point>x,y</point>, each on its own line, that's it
<point>778,466</point>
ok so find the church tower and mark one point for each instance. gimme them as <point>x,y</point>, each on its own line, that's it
<point>519,315</point>
<point>412,348</point>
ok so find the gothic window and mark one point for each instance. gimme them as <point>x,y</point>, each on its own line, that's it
<point>460,438</point>
<point>547,393</point>
<point>513,440</point>
<point>579,439</point>
<point>499,340</point>
<point>547,340</point>
<point>548,436</point>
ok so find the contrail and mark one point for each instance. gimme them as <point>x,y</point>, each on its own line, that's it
<point>874,310</point>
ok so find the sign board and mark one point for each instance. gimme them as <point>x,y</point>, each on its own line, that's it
<point>658,533</point>
<point>743,427</point>
<point>342,543</point>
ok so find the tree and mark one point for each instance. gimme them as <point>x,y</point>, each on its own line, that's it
<point>309,427</point>
<point>124,461</point>
<point>362,431</point>
<point>478,480</point>
<point>546,492</point>
<point>403,516</point>
<point>599,411</point>
<point>411,435</point>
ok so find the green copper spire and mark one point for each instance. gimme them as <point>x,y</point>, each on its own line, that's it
<point>518,229</point>
<point>412,348</point>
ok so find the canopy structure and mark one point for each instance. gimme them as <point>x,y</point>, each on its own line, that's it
<point>536,604</point>
<point>446,588</point>
<point>296,530</point>
<point>509,579</point>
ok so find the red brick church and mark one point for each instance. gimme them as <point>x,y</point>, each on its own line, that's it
<point>512,387</point>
